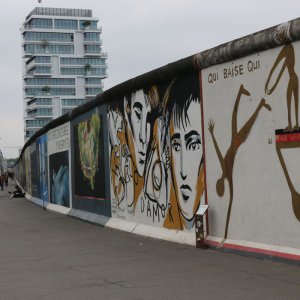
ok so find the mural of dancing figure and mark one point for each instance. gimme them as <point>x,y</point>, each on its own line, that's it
<point>186,155</point>
<point>287,138</point>
<point>288,55</point>
<point>237,138</point>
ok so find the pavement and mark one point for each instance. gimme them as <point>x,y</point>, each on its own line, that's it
<point>46,255</point>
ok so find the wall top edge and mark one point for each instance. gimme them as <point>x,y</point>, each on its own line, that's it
<point>259,41</point>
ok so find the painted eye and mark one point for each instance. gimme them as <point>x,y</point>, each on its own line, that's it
<point>138,113</point>
<point>176,146</point>
<point>194,146</point>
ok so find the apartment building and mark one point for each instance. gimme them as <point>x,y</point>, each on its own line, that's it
<point>63,63</point>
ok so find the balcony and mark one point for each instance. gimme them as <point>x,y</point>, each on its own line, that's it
<point>95,85</point>
<point>40,113</point>
<point>96,54</point>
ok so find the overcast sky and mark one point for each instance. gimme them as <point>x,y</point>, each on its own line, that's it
<point>138,36</point>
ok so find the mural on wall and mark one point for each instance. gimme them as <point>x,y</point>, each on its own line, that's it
<point>259,97</point>
<point>34,167</point>
<point>289,137</point>
<point>186,153</point>
<point>58,152</point>
<point>89,167</point>
<point>59,178</point>
<point>27,173</point>
<point>130,129</point>
<point>155,142</point>
<point>238,137</point>
<point>41,144</point>
<point>286,59</point>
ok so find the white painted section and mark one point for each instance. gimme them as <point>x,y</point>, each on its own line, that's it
<point>262,210</point>
<point>176,236</point>
<point>59,139</point>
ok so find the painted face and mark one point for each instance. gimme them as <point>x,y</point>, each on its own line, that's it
<point>187,155</point>
<point>140,108</point>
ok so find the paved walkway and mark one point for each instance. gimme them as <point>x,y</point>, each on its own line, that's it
<point>44,255</point>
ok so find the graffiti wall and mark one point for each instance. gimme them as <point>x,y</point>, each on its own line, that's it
<point>41,144</point>
<point>156,155</point>
<point>90,161</point>
<point>26,174</point>
<point>59,170</point>
<point>34,168</point>
<point>220,127</point>
<point>252,146</point>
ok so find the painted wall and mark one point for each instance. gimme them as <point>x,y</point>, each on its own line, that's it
<point>156,155</point>
<point>90,163</point>
<point>220,127</point>
<point>42,155</point>
<point>59,168</point>
<point>252,142</point>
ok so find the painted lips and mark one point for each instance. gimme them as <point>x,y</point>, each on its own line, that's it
<point>185,191</point>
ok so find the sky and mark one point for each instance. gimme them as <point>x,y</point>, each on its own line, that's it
<point>138,36</point>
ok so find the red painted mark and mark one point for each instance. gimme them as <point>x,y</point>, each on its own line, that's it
<point>289,137</point>
<point>255,250</point>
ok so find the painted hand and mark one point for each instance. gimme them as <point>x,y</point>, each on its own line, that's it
<point>211,126</point>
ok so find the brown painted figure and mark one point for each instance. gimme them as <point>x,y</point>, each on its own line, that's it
<point>288,55</point>
<point>294,193</point>
<point>237,138</point>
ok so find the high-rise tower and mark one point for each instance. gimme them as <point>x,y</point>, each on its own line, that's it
<point>63,64</point>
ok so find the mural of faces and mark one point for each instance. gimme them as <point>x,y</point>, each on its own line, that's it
<point>187,157</point>
<point>156,153</point>
<point>184,122</point>
<point>138,108</point>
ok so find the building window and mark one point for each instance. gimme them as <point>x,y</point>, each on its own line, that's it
<point>40,101</point>
<point>65,110</point>
<point>71,102</point>
<point>49,36</point>
<point>82,61</point>
<point>93,91</point>
<point>50,91</point>
<point>65,24</point>
<point>51,49</point>
<point>86,24</point>
<point>40,70</point>
<point>93,81</point>
<point>39,59</point>
<point>43,59</point>
<point>83,71</point>
<point>40,112</point>
<point>92,37</point>
<point>92,48</point>
<point>40,23</point>
<point>30,133</point>
<point>37,123</point>
<point>50,81</point>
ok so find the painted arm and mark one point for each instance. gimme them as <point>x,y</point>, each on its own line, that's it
<point>282,55</point>
<point>211,126</point>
